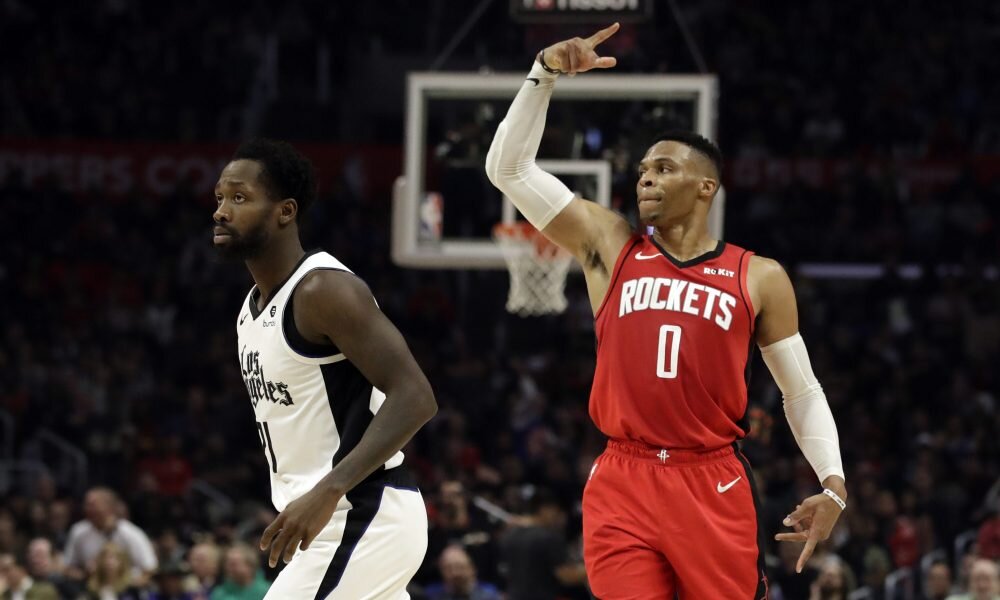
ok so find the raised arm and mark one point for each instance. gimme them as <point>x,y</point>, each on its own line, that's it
<point>805,404</point>
<point>593,234</point>
<point>337,307</point>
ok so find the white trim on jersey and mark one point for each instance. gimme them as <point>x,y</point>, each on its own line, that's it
<point>310,411</point>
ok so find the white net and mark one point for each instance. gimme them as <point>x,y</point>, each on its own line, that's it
<point>538,270</point>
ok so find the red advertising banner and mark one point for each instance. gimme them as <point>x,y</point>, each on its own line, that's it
<point>775,172</point>
<point>117,168</point>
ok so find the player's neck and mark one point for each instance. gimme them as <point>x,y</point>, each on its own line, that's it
<point>684,242</point>
<point>275,265</point>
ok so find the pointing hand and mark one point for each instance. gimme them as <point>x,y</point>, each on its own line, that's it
<point>578,55</point>
<point>813,520</point>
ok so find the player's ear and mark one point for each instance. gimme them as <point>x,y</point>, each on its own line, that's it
<point>708,187</point>
<point>289,208</point>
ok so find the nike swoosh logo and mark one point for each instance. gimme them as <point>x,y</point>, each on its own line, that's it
<point>243,318</point>
<point>533,80</point>
<point>722,489</point>
<point>641,256</point>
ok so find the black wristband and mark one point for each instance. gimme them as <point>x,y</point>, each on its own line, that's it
<point>548,69</point>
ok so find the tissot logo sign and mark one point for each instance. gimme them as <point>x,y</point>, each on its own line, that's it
<point>535,11</point>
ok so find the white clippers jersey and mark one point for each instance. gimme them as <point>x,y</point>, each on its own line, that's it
<point>312,405</point>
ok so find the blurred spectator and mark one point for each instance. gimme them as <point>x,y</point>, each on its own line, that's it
<point>111,576</point>
<point>835,581</point>
<point>168,547</point>
<point>937,582</point>
<point>904,545</point>
<point>988,542</point>
<point>984,581</point>
<point>876,567</point>
<point>783,576</point>
<point>169,580</point>
<point>204,559</point>
<point>964,578</point>
<point>458,579</point>
<point>244,579</point>
<point>60,518</point>
<point>102,524</point>
<point>11,539</point>
<point>16,584</point>
<point>535,555</point>
<point>42,567</point>
<point>453,520</point>
<point>170,469</point>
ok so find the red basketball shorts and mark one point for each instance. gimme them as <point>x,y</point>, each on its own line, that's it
<point>662,522</point>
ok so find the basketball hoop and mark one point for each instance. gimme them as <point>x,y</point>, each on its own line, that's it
<point>538,269</point>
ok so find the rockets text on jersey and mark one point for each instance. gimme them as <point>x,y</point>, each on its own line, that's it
<point>674,341</point>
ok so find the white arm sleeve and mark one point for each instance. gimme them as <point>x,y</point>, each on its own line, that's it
<point>805,405</point>
<point>510,163</point>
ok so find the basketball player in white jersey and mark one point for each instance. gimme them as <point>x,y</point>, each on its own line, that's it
<point>335,392</point>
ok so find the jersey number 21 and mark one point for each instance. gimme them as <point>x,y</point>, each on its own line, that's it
<point>265,441</point>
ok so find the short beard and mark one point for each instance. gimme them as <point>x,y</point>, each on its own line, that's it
<point>244,247</point>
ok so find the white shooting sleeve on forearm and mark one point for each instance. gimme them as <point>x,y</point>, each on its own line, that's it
<point>510,163</point>
<point>805,405</point>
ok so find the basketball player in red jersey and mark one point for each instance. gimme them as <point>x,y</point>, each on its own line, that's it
<point>670,507</point>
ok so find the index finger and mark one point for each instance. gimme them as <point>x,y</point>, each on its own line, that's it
<point>271,531</point>
<point>602,35</point>
<point>806,553</point>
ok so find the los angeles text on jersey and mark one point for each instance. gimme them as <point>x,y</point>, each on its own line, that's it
<point>258,385</point>
<point>661,293</point>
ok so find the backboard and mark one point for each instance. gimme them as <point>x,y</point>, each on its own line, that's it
<point>417,239</point>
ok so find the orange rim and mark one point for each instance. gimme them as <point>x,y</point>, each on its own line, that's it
<point>523,230</point>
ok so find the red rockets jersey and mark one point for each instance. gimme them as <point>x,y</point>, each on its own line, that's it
<point>673,348</point>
